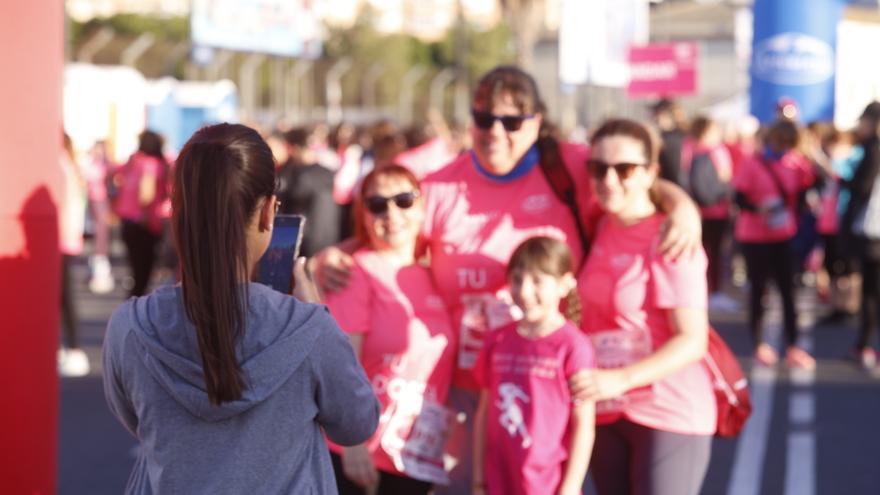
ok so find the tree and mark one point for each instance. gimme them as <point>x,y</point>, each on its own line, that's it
<point>524,18</point>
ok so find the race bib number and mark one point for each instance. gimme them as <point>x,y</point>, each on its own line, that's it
<point>482,313</point>
<point>617,349</point>
<point>415,438</point>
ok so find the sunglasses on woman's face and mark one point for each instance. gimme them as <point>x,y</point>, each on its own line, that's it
<point>599,169</point>
<point>378,205</point>
<point>511,123</point>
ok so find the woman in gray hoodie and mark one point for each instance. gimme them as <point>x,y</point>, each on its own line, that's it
<point>228,385</point>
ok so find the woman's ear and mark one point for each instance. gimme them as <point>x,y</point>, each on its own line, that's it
<point>267,214</point>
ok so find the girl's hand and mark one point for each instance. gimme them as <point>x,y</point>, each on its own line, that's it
<point>332,268</point>
<point>357,465</point>
<point>478,490</point>
<point>594,385</point>
<point>303,286</point>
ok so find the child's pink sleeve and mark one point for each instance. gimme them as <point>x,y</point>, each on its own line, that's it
<point>582,355</point>
<point>350,307</point>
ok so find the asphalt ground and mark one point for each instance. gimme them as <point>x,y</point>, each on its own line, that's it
<point>808,435</point>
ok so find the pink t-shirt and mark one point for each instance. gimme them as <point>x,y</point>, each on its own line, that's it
<point>408,352</point>
<point>794,173</point>
<point>474,223</point>
<point>527,420</point>
<point>426,158</point>
<point>826,220</point>
<point>723,163</point>
<point>627,289</point>
<point>127,204</point>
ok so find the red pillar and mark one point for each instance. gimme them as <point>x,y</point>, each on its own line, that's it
<point>31,65</point>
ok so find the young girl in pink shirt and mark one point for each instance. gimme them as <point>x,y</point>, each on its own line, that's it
<point>529,437</point>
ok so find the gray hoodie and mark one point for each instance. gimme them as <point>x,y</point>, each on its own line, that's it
<point>302,380</point>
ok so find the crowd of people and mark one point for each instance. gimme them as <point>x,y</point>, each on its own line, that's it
<point>503,309</point>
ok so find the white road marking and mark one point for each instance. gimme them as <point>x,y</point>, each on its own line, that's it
<point>748,464</point>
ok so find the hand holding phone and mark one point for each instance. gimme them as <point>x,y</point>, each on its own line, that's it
<point>276,265</point>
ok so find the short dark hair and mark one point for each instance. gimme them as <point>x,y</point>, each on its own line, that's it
<point>628,128</point>
<point>514,81</point>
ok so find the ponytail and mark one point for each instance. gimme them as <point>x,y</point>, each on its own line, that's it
<point>221,175</point>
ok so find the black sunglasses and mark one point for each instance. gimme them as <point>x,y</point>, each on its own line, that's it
<point>599,169</point>
<point>378,205</point>
<point>511,123</point>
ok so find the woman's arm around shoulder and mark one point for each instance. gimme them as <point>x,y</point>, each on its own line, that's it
<point>347,407</point>
<point>682,231</point>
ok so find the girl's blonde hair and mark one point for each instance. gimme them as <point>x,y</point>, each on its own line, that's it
<point>552,257</point>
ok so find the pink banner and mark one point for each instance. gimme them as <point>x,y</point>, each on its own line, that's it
<point>663,69</point>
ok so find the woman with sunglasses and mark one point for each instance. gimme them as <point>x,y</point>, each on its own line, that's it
<point>647,318</point>
<point>400,330</point>
<point>229,385</point>
<point>484,204</point>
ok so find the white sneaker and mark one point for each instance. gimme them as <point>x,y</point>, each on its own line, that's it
<point>102,277</point>
<point>73,363</point>
<point>722,302</point>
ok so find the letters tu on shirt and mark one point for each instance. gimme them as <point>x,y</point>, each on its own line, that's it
<point>474,223</point>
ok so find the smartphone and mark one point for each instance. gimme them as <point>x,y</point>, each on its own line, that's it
<point>276,265</point>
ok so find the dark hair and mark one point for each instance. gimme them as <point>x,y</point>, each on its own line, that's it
<point>507,79</point>
<point>222,174</point>
<point>298,136</point>
<point>700,126</point>
<point>67,145</point>
<point>395,171</point>
<point>550,256</point>
<point>628,128</point>
<point>782,135</point>
<point>151,143</point>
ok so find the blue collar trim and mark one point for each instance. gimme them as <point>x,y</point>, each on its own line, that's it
<point>771,155</point>
<point>528,162</point>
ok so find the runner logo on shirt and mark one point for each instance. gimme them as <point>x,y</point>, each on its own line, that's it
<point>512,418</point>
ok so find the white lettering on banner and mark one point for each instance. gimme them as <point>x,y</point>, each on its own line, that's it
<point>653,71</point>
<point>512,418</point>
<point>469,278</point>
<point>793,59</point>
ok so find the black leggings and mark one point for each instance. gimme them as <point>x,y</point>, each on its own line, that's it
<point>764,261</point>
<point>631,459</point>
<point>870,294</point>
<point>141,244</point>
<point>713,242</point>
<point>389,484</point>
<point>69,317</point>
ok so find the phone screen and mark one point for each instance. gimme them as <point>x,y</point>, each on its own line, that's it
<point>276,265</point>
